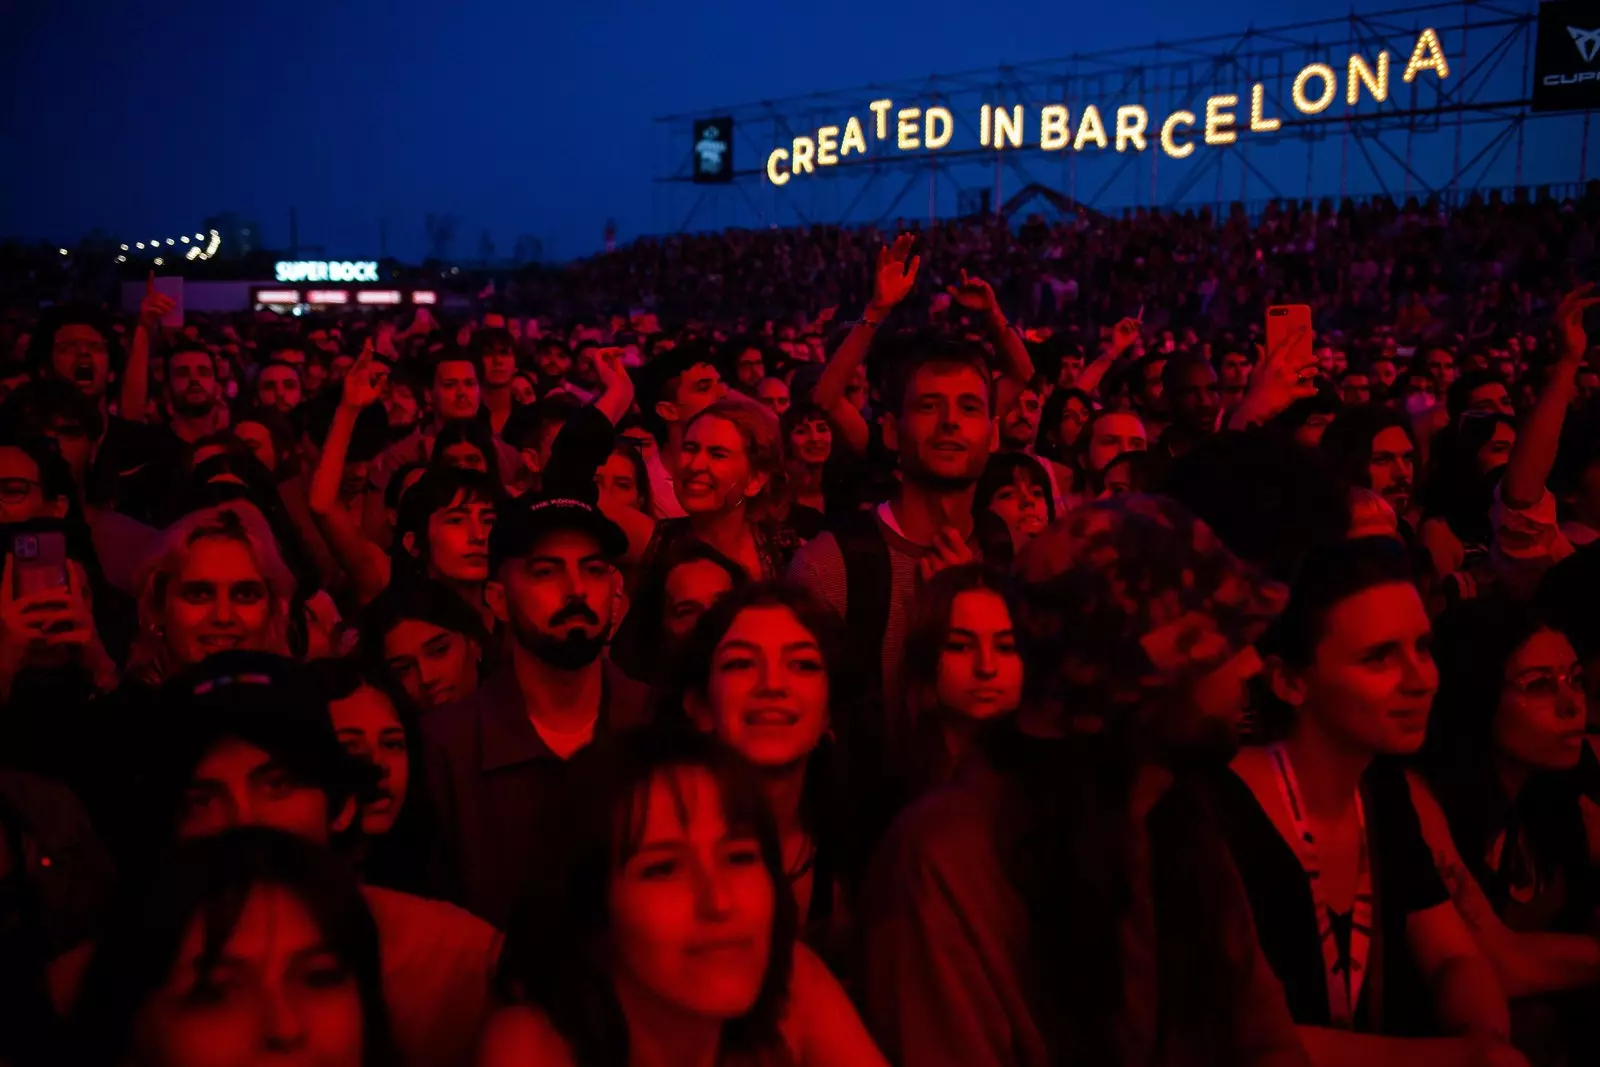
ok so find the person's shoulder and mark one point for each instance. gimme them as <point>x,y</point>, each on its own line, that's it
<point>441,921</point>
<point>519,1034</point>
<point>942,830</point>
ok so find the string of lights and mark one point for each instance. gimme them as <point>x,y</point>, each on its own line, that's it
<point>200,247</point>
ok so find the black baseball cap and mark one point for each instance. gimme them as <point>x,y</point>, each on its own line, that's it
<point>518,527</point>
<point>267,701</point>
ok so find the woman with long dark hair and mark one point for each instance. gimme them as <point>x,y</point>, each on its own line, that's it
<point>374,719</point>
<point>1069,902</point>
<point>1505,740</point>
<point>1469,458</point>
<point>244,945</point>
<point>660,930</point>
<point>760,671</point>
<point>963,669</point>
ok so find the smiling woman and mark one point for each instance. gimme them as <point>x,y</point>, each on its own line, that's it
<point>214,582</point>
<point>659,932</point>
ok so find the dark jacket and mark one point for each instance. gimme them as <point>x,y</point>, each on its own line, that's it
<point>492,778</point>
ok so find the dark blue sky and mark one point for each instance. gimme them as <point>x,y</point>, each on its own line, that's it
<point>518,117</point>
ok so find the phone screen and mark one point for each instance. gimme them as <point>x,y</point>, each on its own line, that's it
<point>39,562</point>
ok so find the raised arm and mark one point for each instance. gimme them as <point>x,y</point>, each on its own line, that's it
<point>1539,436</point>
<point>135,395</point>
<point>975,294</point>
<point>895,275</point>
<point>365,563</point>
<point>1277,381</point>
<point>1123,334</point>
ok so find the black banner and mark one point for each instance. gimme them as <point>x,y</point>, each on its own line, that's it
<point>1566,68</point>
<point>713,150</point>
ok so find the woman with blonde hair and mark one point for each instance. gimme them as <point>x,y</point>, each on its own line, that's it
<point>731,483</point>
<point>213,582</point>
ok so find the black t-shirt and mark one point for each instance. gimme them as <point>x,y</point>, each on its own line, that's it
<point>1404,881</point>
<point>134,468</point>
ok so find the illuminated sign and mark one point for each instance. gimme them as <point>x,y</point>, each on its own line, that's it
<point>1566,65</point>
<point>424,296</point>
<point>377,296</point>
<point>1222,121</point>
<point>327,296</point>
<point>278,296</point>
<point>327,271</point>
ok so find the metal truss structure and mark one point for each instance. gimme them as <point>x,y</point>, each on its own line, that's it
<point>1473,130</point>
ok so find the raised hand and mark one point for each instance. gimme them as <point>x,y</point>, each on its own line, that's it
<point>896,273</point>
<point>1280,379</point>
<point>1124,334</point>
<point>384,345</point>
<point>155,306</point>
<point>974,293</point>
<point>363,385</point>
<point>949,549</point>
<point>1574,341</point>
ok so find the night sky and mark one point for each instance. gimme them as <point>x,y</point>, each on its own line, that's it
<point>518,117</point>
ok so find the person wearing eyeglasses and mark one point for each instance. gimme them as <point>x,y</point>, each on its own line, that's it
<point>1518,846</point>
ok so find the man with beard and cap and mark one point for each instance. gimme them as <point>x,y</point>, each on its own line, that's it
<point>1068,900</point>
<point>495,760</point>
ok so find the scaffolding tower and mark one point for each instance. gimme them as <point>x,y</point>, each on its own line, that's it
<point>1433,137</point>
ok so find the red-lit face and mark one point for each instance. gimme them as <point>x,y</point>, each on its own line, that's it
<point>1074,416</point>
<point>1235,371</point>
<point>767,695</point>
<point>80,355</point>
<point>714,471</point>
<point>436,666</point>
<point>464,455</point>
<point>618,481</point>
<point>192,383</point>
<point>811,441</point>
<point>1389,469</point>
<point>458,540</point>
<point>944,433</point>
<point>368,726</point>
<point>980,668</point>
<point>279,387</point>
<point>1113,435</point>
<point>1539,724</point>
<point>1022,505</point>
<point>21,493</point>
<point>499,365</point>
<point>217,601</point>
<point>698,388</point>
<point>1493,396</point>
<point>751,367</point>
<point>259,440</point>
<point>1356,389</point>
<point>1497,452</point>
<point>455,390</point>
<point>691,589</point>
<point>692,909</point>
<point>1372,678</point>
<point>1019,423</point>
<point>773,393</point>
<point>274,995</point>
<point>237,784</point>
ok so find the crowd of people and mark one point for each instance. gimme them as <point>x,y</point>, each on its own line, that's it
<point>1040,661</point>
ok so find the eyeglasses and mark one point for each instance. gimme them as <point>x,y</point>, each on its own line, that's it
<point>1547,684</point>
<point>17,490</point>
